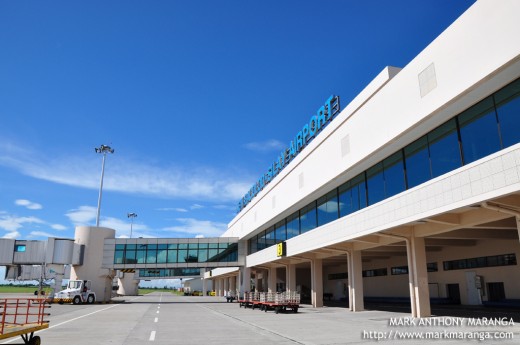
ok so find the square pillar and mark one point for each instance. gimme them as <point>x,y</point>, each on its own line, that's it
<point>355,282</point>
<point>257,288</point>
<point>518,226</point>
<point>226,286</point>
<point>420,283</point>
<point>317,283</point>
<point>271,283</point>
<point>244,279</point>
<point>290,277</point>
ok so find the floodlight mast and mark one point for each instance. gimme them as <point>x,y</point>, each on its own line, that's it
<point>132,216</point>
<point>102,149</point>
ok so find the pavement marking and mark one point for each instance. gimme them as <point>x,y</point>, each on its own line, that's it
<point>256,327</point>
<point>156,319</point>
<point>158,311</point>
<point>152,336</point>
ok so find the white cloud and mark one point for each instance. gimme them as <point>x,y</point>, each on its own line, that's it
<point>12,235</point>
<point>58,227</point>
<point>177,209</point>
<point>196,207</point>
<point>199,236</point>
<point>225,207</point>
<point>125,176</point>
<point>84,215</point>
<point>13,223</point>
<point>206,228</point>
<point>266,146</point>
<point>29,204</point>
<point>33,234</point>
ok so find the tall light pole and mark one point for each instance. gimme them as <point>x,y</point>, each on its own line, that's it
<point>102,149</point>
<point>132,216</point>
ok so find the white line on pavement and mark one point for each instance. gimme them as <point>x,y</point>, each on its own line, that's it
<point>152,336</point>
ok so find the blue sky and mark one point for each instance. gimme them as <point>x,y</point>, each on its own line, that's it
<point>196,97</point>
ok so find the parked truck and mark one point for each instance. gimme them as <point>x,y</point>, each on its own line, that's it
<point>77,292</point>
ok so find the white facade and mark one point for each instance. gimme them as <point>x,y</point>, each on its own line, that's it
<point>472,59</point>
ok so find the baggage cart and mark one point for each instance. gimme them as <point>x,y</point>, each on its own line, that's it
<point>23,317</point>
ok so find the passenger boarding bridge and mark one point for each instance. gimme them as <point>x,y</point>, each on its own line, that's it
<point>95,254</point>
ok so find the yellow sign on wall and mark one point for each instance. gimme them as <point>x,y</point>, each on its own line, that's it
<point>280,249</point>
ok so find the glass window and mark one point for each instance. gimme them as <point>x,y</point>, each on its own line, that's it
<point>203,255</point>
<point>328,208</point>
<point>508,109</point>
<point>399,270</point>
<point>161,256</point>
<point>444,149</point>
<point>375,184</point>
<point>193,255</point>
<point>183,245</point>
<point>352,195</point>
<point>118,247</point>
<point>182,255</point>
<point>293,225</point>
<point>151,256</point>
<point>118,257</point>
<point>308,217</point>
<point>130,257</point>
<point>479,131</point>
<point>253,245</point>
<point>141,255</point>
<point>212,255</point>
<point>172,246</point>
<point>261,241</point>
<point>269,237</point>
<point>172,256</point>
<point>417,162</point>
<point>131,246</point>
<point>394,174</point>
<point>280,232</point>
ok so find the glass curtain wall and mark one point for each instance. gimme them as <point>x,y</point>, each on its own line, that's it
<point>487,127</point>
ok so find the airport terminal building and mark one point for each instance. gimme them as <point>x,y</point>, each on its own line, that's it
<point>411,191</point>
<point>408,193</point>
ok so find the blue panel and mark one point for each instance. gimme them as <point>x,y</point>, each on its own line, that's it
<point>508,109</point>
<point>417,159</point>
<point>444,149</point>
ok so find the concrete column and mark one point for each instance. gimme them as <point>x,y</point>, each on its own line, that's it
<point>128,286</point>
<point>420,282</point>
<point>226,286</point>
<point>355,282</point>
<point>93,238</point>
<point>317,283</point>
<point>257,288</point>
<point>221,287</point>
<point>290,277</point>
<point>204,287</point>
<point>271,283</point>
<point>233,283</point>
<point>518,226</point>
<point>245,280</point>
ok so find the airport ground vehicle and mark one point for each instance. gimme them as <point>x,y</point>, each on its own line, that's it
<point>77,291</point>
<point>271,301</point>
<point>23,317</point>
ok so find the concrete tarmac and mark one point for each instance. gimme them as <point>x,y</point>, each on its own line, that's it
<point>162,318</point>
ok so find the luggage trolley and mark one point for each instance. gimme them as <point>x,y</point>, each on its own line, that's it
<point>281,302</point>
<point>23,317</point>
